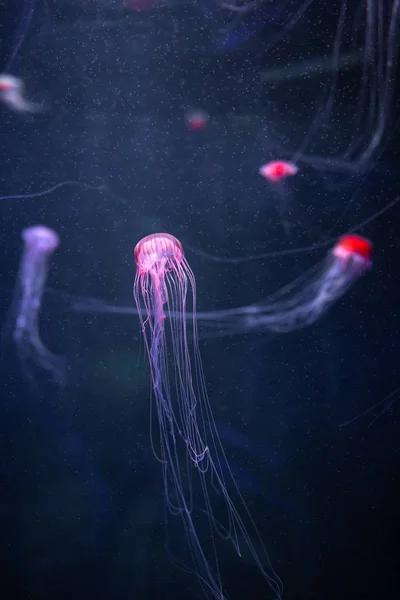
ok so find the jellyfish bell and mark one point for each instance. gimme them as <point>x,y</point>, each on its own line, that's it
<point>276,170</point>
<point>352,246</point>
<point>9,82</point>
<point>155,249</point>
<point>41,237</point>
<point>156,256</point>
<point>12,91</point>
<point>196,119</point>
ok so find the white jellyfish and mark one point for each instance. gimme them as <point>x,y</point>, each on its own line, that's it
<point>12,92</point>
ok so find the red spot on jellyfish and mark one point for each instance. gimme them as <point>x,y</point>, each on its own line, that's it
<point>276,172</point>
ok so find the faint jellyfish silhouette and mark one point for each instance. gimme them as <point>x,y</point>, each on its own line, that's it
<point>196,119</point>
<point>40,243</point>
<point>11,87</point>
<point>12,91</point>
<point>276,172</point>
<point>184,436</point>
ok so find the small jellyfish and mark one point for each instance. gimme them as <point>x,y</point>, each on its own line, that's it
<point>40,243</point>
<point>352,247</point>
<point>276,172</point>
<point>196,119</point>
<point>12,94</point>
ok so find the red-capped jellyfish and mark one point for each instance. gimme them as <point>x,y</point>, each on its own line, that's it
<point>184,436</point>
<point>303,301</point>
<point>39,244</point>
<point>276,172</point>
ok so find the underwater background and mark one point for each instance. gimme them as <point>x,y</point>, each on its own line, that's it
<point>81,495</point>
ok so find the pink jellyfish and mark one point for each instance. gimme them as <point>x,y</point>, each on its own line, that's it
<point>276,172</point>
<point>40,243</point>
<point>184,436</point>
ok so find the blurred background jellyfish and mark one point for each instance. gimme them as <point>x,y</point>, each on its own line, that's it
<point>276,172</point>
<point>23,322</point>
<point>303,301</point>
<point>184,436</point>
<point>12,93</point>
<point>196,119</point>
<point>12,89</point>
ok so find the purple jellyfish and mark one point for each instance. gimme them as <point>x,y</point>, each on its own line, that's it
<point>40,243</point>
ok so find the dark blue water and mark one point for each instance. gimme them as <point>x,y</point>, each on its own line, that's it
<point>81,497</point>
